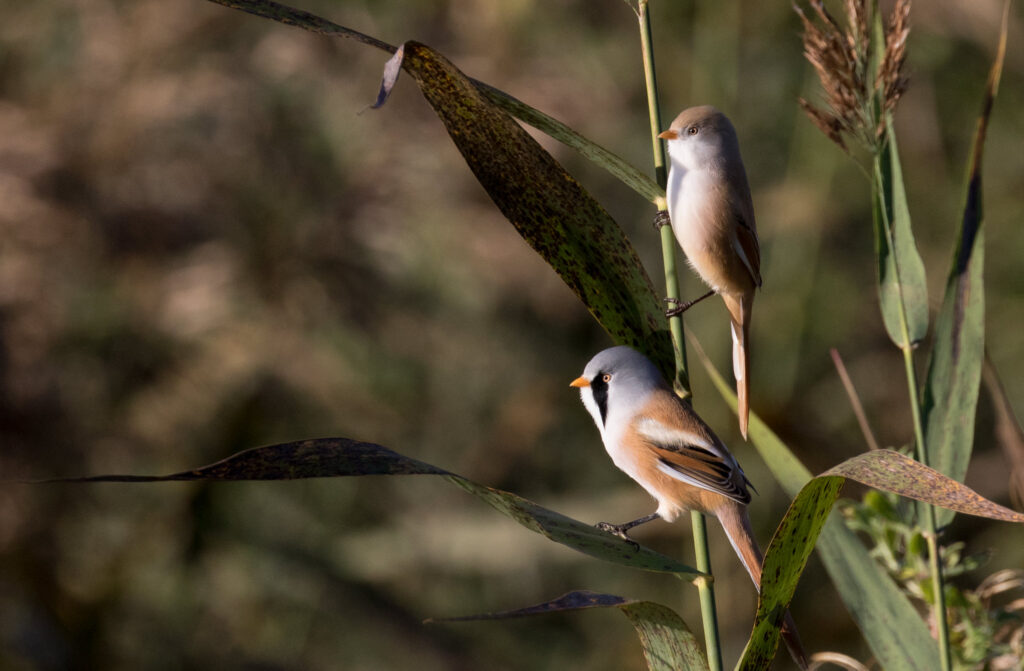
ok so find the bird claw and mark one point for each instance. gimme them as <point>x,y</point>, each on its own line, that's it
<point>620,531</point>
<point>681,307</point>
<point>661,220</point>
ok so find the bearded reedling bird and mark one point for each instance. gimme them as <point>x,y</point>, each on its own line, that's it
<point>659,441</point>
<point>712,217</point>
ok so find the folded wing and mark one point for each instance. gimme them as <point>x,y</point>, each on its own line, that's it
<point>694,457</point>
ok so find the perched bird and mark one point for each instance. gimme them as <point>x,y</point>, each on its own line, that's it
<point>659,441</point>
<point>712,217</point>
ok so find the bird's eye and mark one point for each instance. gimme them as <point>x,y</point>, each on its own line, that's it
<point>692,130</point>
<point>607,377</point>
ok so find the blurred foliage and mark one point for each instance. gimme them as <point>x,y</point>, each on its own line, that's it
<point>204,246</point>
<point>986,621</point>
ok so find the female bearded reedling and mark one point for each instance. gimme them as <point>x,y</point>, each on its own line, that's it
<point>712,216</point>
<point>659,441</point>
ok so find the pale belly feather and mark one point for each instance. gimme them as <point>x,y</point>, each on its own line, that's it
<point>702,235</point>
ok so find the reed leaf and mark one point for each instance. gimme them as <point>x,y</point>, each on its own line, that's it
<point>550,210</point>
<point>954,371</point>
<point>667,642</point>
<point>342,457</point>
<point>613,163</point>
<point>888,620</point>
<point>798,533</point>
<point>902,287</point>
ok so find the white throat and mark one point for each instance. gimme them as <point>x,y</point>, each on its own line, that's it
<point>621,411</point>
<point>590,403</point>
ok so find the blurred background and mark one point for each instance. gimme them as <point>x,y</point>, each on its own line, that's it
<point>206,244</point>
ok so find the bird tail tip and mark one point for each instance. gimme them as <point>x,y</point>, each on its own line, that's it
<point>739,369</point>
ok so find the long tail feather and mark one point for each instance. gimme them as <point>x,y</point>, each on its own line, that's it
<point>736,522</point>
<point>740,312</point>
<point>739,368</point>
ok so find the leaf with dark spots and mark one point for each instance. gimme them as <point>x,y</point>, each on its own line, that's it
<point>893,472</point>
<point>783,565</point>
<point>549,209</point>
<point>889,621</point>
<point>315,458</point>
<point>668,644</point>
<point>805,520</point>
<point>614,164</point>
<point>340,457</point>
<point>577,600</point>
<point>577,535</point>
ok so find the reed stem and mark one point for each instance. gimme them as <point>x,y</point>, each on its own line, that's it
<point>926,512</point>
<point>705,587</point>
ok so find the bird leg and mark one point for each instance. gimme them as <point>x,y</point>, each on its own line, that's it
<point>680,308</point>
<point>621,529</point>
<point>661,220</point>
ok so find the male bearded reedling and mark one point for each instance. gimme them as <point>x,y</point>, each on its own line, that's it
<point>659,441</point>
<point>712,217</point>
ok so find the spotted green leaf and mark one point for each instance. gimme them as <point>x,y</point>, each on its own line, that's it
<point>340,457</point>
<point>799,531</point>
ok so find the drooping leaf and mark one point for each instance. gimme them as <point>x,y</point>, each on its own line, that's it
<point>314,458</point>
<point>577,535</point>
<point>954,372</point>
<point>668,644</point>
<point>893,472</point>
<point>798,533</point>
<point>302,19</point>
<point>577,600</point>
<point>549,209</point>
<point>613,163</point>
<point>902,288</point>
<point>339,457</point>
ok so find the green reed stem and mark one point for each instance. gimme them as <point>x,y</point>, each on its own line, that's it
<point>926,512</point>
<point>682,382</point>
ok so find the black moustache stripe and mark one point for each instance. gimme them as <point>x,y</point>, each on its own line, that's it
<point>600,389</point>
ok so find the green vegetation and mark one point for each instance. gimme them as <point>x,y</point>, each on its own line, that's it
<point>204,254</point>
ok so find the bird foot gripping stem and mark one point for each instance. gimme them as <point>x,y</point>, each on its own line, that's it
<point>620,531</point>
<point>680,308</point>
<point>661,220</point>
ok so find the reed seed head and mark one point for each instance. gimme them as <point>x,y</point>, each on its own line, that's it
<point>858,93</point>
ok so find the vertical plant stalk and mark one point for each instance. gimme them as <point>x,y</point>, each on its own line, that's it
<point>926,512</point>
<point>860,71</point>
<point>705,588</point>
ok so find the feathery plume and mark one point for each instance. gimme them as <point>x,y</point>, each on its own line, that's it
<point>860,89</point>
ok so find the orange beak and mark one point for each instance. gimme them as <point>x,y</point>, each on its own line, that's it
<point>668,135</point>
<point>580,382</point>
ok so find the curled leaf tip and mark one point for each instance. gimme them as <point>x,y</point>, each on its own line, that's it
<point>391,70</point>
